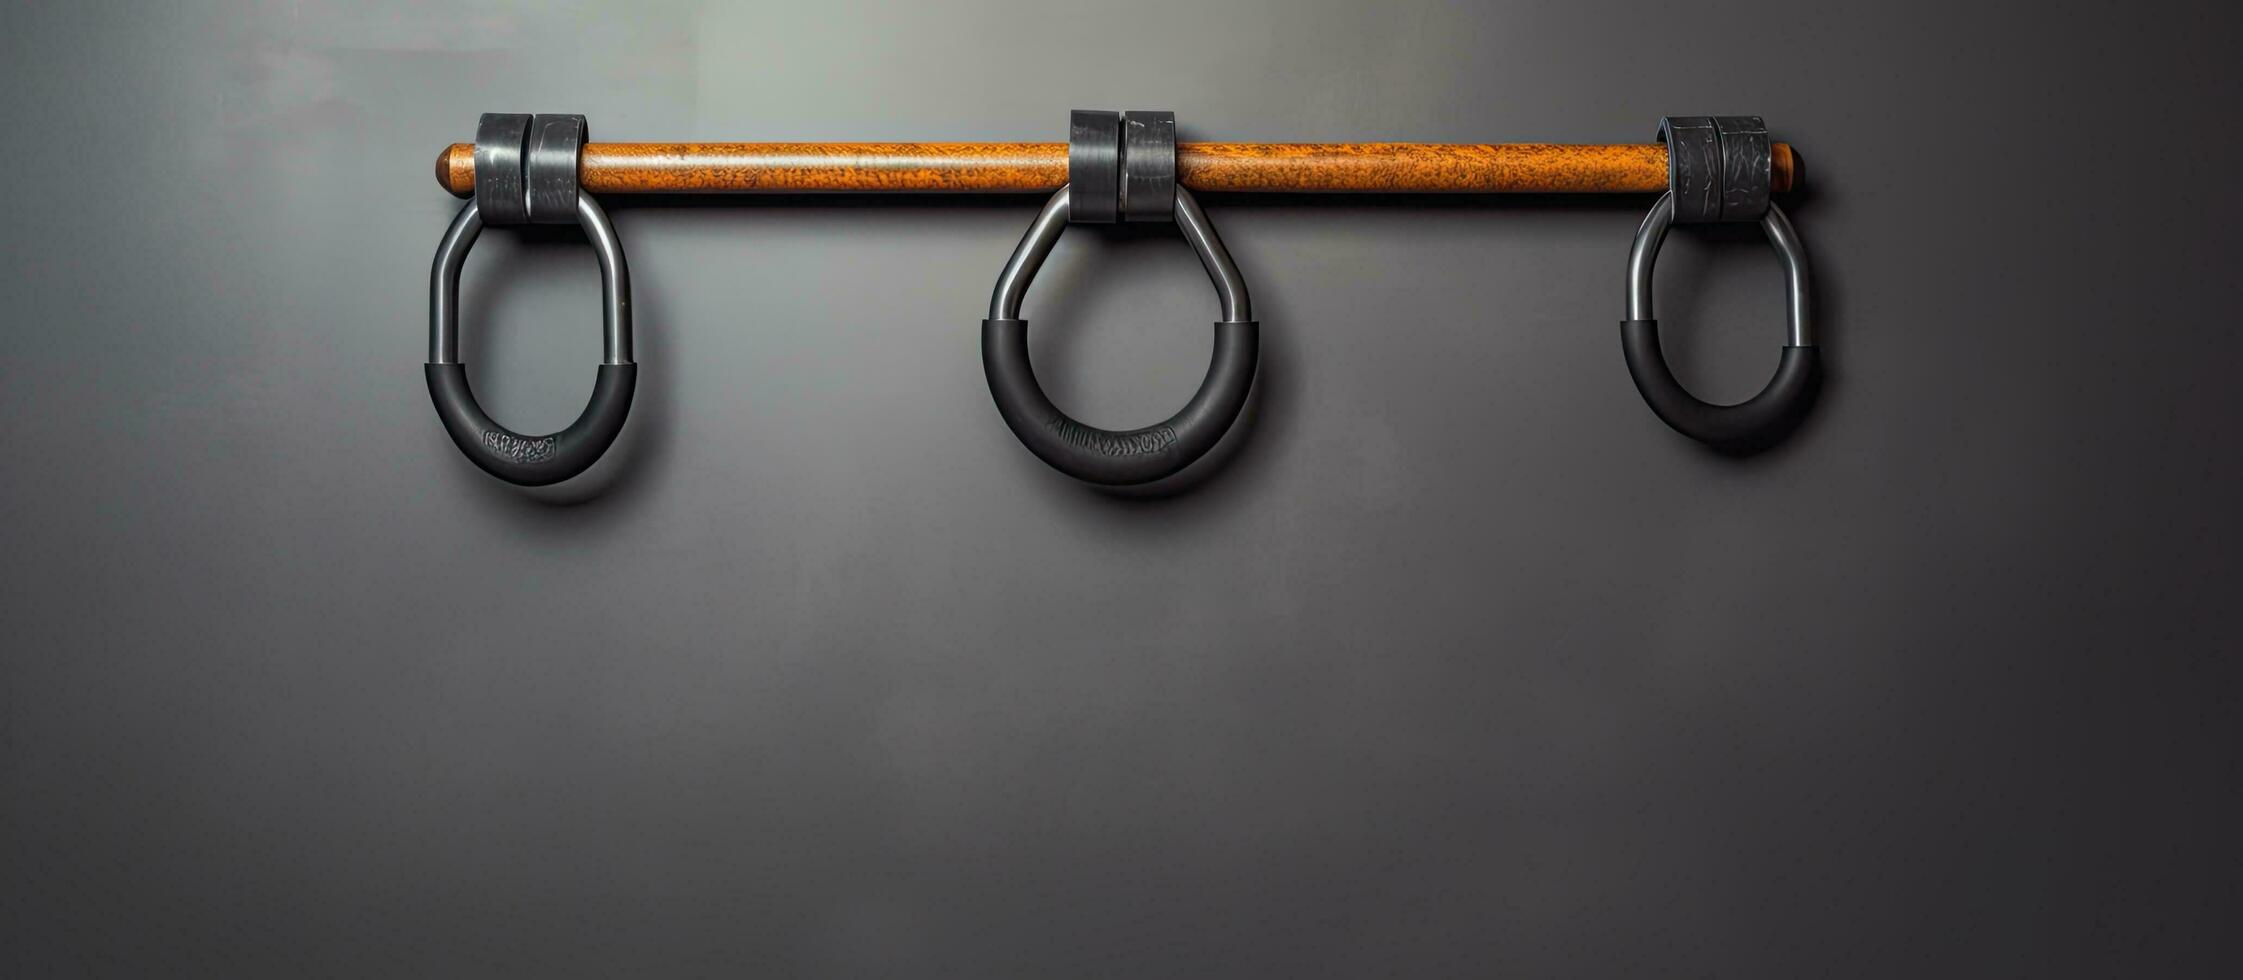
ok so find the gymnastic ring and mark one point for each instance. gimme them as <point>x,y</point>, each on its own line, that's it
<point>1755,420</point>
<point>531,461</point>
<point>1104,456</point>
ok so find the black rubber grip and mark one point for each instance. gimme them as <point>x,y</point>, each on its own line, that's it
<point>1148,166</point>
<point>1755,420</point>
<point>1747,167</point>
<point>1719,168</point>
<point>1104,456</point>
<point>502,140</point>
<point>549,167</point>
<point>533,461</point>
<point>1693,167</point>
<point>1094,166</point>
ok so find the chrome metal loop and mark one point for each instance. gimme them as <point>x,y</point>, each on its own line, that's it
<point>451,254</point>
<point>1020,270</point>
<point>1653,232</point>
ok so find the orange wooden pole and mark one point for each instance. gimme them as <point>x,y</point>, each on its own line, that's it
<point>999,168</point>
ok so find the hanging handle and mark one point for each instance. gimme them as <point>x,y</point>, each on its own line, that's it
<point>1755,420</point>
<point>537,158</point>
<point>1720,169</point>
<point>1111,457</point>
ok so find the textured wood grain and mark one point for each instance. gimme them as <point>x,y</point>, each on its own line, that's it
<point>785,168</point>
<point>1421,167</point>
<point>996,168</point>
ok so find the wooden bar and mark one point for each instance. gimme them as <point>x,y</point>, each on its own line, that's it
<point>1027,168</point>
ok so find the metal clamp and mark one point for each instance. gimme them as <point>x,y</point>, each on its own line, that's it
<point>525,167</point>
<point>549,170</point>
<point>1121,166</point>
<point>1719,168</point>
<point>1104,456</point>
<point>502,195</point>
<point>502,452</point>
<point>1764,416</point>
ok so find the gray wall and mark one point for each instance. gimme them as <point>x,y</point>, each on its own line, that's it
<point>1456,663</point>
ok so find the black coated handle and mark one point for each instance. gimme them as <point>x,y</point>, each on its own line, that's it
<point>1107,456</point>
<point>1758,421</point>
<point>535,158</point>
<point>1752,421</point>
<point>533,461</point>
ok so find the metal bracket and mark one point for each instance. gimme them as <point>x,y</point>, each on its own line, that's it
<point>1719,168</point>
<point>1121,166</point>
<point>525,167</point>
